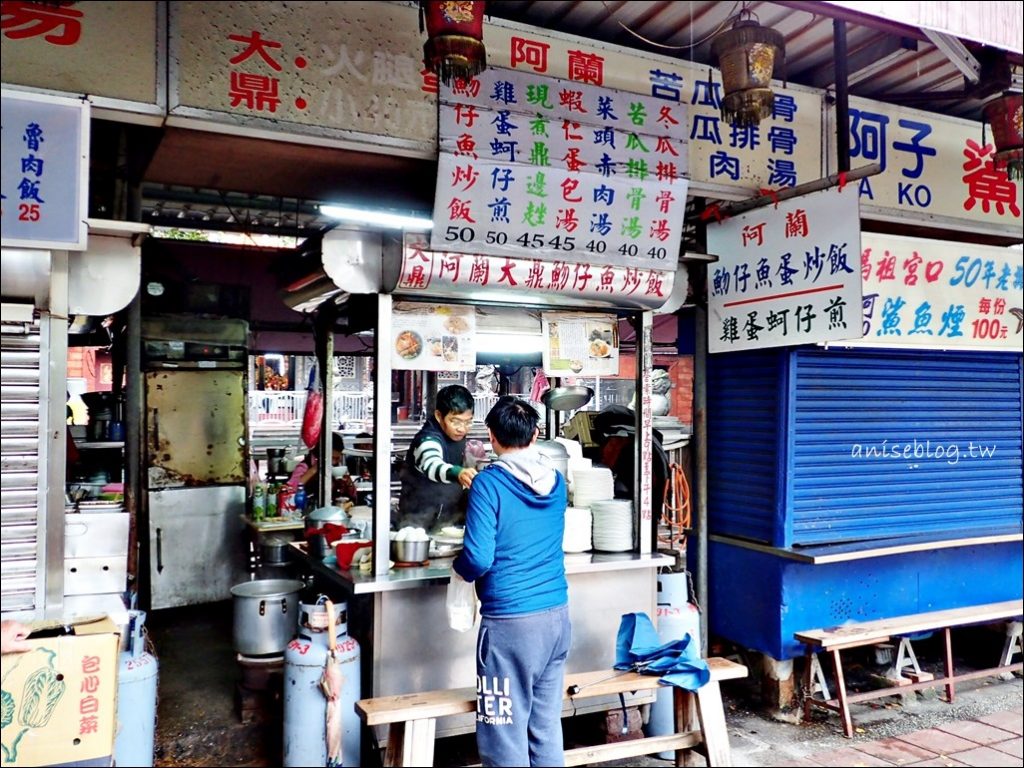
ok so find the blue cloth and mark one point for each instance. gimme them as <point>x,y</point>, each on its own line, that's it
<point>512,547</point>
<point>639,648</point>
<point>520,667</point>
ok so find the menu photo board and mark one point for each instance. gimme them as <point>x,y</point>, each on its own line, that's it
<point>559,169</point>
<point>433,337</point>
<point>580,344</point>
<point>786,274</point>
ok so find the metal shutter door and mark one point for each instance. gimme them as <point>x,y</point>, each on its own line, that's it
<point>886,401</point>
<point>20,577</point>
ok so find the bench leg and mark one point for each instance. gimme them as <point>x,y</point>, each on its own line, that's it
<point>1013,646</point>
<point>686,720</point>
<point>844,705</point>
<point>712,725</point>
<point>411,743</point>
<point>950,687</point>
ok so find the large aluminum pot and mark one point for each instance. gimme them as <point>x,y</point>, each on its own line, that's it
<point>266,612</point>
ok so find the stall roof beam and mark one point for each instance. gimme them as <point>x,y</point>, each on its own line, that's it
<point>957,53</point>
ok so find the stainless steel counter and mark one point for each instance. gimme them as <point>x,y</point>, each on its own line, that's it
<point>438,570</point>
<point>401,617</point>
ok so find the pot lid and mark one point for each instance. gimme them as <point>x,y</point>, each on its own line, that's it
<point>567,398</point>
<point>327,515</point>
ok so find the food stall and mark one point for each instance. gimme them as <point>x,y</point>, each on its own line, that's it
<point>386,599</point>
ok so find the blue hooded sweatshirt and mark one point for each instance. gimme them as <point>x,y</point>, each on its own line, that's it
<point>513,541</point>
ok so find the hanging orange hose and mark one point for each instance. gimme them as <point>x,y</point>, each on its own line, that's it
<point>675,515</point>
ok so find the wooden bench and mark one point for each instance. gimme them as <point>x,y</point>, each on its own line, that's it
<point>412,718</point>
<point>836,639</point>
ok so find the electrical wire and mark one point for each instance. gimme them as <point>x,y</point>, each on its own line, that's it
<point>676,512</point>
<point>729,17</point>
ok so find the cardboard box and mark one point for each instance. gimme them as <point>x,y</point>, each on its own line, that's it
<point>60,698</point>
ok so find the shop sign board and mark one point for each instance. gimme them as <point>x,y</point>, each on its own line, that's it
<point>108,50</point>
<point>934,294</point>
<point>932,165</point>
<point>433,337</point>
<point>559,170</point>
<point>355,72</point>
<point>480,277</point>
<point>578,344</point>
<point>786,274</point>
<point>45,176</point>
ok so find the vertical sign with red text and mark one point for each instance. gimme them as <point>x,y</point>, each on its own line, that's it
<point>559,169</point>
<point>45,171</point>
<point>786,274</point>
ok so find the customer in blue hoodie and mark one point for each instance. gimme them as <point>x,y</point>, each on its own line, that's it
<point>513,552</point>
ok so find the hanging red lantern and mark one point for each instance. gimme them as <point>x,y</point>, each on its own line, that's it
<point>1006,116</point>
<point>455,33</point>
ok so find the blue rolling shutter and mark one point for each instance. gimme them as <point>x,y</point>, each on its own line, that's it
<point>745,393</point>
<point>880,445</point>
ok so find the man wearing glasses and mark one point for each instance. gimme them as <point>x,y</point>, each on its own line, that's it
<point>433,477</point>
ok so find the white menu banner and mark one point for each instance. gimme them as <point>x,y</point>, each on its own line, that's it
<point>559,169</point>
<point>934,294</point>
<point>786,274</point>
<point>433,337</point>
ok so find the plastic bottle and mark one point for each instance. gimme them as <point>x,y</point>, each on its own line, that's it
<point>272,501</point>
<point>300,500</point>
<point>259,504</point>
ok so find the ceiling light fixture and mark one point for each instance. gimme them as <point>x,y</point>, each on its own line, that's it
<point>747,54</point>
<point>455,39</point>
<point>378,218</point>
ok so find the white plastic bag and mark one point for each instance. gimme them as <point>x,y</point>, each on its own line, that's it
<point>461,604</point>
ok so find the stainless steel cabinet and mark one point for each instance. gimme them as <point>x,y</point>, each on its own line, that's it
<point>197,544</point>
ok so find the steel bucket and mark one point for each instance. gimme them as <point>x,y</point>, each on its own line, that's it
<point>265,615</point>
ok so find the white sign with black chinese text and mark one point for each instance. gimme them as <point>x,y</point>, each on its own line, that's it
<point>433,337</point>
<point>787,274</point>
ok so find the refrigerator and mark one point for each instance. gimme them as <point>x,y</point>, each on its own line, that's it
<point>195,460</point>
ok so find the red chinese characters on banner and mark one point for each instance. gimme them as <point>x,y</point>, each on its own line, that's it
<point>583,67</point>
<point>88,702</point>
<point>985,184</point>
<point>57,23</point>
<point>423,269</point>
<point>254,88</point>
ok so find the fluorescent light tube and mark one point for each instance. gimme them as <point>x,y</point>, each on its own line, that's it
<point>379,218</point>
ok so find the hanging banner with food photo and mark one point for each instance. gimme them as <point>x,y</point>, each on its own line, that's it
<point>433,337</point>
<point>580,345</point>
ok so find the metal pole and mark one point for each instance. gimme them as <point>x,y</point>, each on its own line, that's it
<point>700,434</point>
<point>382,437</point>
<point>839,55</point>
<point>826,182</point>
<point>643,486</point>
<point>53,386</point>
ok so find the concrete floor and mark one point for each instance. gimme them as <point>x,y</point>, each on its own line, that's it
<point>197,723</point>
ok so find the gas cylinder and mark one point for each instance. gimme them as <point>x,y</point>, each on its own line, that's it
<point>137,675</point>
<point>305,706</point>
<point>677,616</point>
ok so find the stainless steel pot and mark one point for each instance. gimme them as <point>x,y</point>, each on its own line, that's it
<point>274,550</point>
<point>265,615</point>
<point>557,454</point>
<point>322,515</point>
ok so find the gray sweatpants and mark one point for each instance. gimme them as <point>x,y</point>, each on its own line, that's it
<point>520,665</point>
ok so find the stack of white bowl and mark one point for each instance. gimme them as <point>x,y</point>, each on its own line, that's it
<point>613,525</point>
<point>590,485</point>
<point>578,523</point>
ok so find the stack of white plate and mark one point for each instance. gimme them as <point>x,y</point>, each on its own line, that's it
<point>578,523</point>
<point>613,525</point>
<point>592,484</point>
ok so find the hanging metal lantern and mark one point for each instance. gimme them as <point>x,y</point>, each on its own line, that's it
<point>1006,116</point>
<point>747,55</point>
<point>455,34</point>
